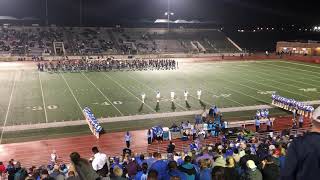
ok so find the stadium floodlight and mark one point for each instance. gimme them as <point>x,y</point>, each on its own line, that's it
<point>169,13</point>
<point>47,20</point>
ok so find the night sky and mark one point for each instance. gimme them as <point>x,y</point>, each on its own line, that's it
<point>110,12</point>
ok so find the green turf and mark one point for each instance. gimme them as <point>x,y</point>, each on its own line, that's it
<point>118,93</point>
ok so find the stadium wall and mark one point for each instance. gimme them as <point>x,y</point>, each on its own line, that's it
<point>8,57</point>
<point>186,57</point>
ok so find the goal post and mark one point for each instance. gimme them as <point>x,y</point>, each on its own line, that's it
<point>58,48</point>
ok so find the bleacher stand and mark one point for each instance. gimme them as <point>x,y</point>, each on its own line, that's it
<point>97,41</point>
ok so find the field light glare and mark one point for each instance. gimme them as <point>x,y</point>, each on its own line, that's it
<point>169,13</point>
<point>316,28</point>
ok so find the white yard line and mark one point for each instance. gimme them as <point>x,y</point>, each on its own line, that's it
<point>229,99</point>
<point>274,81</point>
<point>225,97</point>
<point>128,91</point>
<point>137,117</point>
<point>230,89</point>
<point>8,108</point>
<point>281,77</point>
<point>154,90</point>
<point>308,65</point>
<point>44,103</point>
<point>268,86</point>
<point>102,94</point>
<point>291,68</point>
<point>71,91</point>
<point>239,92</point>
<point>279,72</point>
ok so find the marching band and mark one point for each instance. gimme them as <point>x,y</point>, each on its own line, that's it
<point>292,105</point>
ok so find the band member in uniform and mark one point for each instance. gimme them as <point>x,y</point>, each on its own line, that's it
<point>158,96</point>
<point>172,96</point>
<point>199,94</point>
<point>143,96</point>
<point>186,95</point>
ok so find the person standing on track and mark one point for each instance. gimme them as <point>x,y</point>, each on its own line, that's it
<point>257,123</point>
<point>301,121</point>
<point>269,124</point>
<point>127,138</point>
<point>149,136</point>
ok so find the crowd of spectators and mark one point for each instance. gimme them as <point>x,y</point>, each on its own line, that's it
<point>93,41</point>
<point>285,156</point>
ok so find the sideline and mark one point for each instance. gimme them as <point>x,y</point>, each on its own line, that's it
<point>135,117</point>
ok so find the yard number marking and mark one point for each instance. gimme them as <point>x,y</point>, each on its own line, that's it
<point>222,95</point>
<point>37,108</point>
<point>40,108</point>
<point>117,102</point>
<point>108,104</point>
<point>266,92</point>
<point>308,89</point>
<point>51,107</point>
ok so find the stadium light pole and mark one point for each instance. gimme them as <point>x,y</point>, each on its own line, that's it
<point>168,14</point>
<point>47,20</point>
<point>80,12</point>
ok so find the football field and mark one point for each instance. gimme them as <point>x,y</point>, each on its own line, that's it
<point>30,97</point>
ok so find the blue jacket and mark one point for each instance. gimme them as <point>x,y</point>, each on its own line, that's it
<point>205,174</point>
<point>161,167</point>
<point>150,161</point>
<point>176,173</point>
<point>140,176</point>
<point>189,170</point>
<point>302,161</point>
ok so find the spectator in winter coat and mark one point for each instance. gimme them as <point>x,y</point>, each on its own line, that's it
<point>143,174</point>
<point>230,170</point>
<point>252,172</point>
<point>174,172</point>
<point>160,166</point>
<point>303,154</point>
<point>83,167</point>
<point>2,168</point>
<point>188,169</point>
<point>205,170</point>
<point>171,147</point>
<point>270,171</point>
